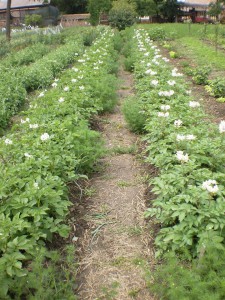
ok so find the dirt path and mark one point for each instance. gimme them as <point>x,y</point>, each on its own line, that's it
<point>115,246</point>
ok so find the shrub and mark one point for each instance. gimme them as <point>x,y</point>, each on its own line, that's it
<point>89,37</point>
<point>135,118</point>
<point>173,54</point>
<point>188,70</point>
<point>216,87</point>
<point>122,15</point>
<point>118,42</point>
<point>129,63</point>
<point>157,34</point>
<point>105,92</point>
<point>200,75</point>
<point>33,20</point>
<point>167,46</point>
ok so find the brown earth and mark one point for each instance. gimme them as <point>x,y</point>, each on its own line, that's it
<point>115,246</point>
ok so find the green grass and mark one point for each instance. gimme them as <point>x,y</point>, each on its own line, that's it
<point>200,52</point>
<point>192,44</point>
<point>179,30</point>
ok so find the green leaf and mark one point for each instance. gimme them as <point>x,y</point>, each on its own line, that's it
<point>182,215</point>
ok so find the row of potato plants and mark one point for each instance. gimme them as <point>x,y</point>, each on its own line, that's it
<point>25,56</point>
<point>51,146</point>
<point>188,150</point>
<point>40,46</point>
<point>15,82</point>
<point>23,39</point>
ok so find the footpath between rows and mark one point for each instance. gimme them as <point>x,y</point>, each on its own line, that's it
<point>115,248</point>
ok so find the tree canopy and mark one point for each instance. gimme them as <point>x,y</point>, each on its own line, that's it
<point>96,8</point>
<point>123,14</point>
<point>146,7</point>
<point>71,6</point>
<point>167,8</point>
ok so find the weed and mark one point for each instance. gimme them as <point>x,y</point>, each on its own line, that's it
<point>119,261</point>
<point>201,279</point>
<point>124,150</point>
<point>167,46</point>
<point>216,87</point>
<point>52,277</point>
<point>143,178</point>
<point>200,75</point>
<point>185,64</point>
<point>135,230</point>
<point>89,37</point>
<point>134,292</point>
<point>139,261</point>
<point>109,293</point>
<point>118,43</point>
<point>132,111</point>
<point>89,192</point>
<point>123,183</point>
<point>129,63</point>
<point>173,54</point>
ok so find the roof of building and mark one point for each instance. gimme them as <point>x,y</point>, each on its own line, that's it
<point>200,3</point>
<point>22,3</point>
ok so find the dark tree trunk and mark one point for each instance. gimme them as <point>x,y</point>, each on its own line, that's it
<point>8,31</point>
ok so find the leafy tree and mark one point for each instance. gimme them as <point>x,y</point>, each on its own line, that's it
<point>33,19</point>
<point>122,14</point>
<point>71,6</point>
<point>169,9</point>
<point>215,9</point>
<point>96,8</point>
<point>146,7</point>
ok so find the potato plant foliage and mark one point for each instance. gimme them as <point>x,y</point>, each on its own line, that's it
<point>187,149</point>
<point>51,146</point>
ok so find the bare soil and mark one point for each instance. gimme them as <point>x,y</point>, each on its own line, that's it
<point>115,247</point>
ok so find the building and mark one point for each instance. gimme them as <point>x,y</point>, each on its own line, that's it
<point>75,20</point>
<point>19,8</point>
<point>196,10</point>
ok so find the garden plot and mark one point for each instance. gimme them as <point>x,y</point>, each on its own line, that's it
<point>186,148</point>
<point>51,146</point>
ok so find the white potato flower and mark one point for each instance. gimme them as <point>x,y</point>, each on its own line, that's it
<point>45,136</point>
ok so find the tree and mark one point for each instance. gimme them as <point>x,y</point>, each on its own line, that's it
<point>146,7</point>
<point>96,8</point>
<point>33,20</point>
<point>123,14</point>
<point>169,9</point>
<point>71,6</point>
<point>215,9</point>
<point>8,19</point>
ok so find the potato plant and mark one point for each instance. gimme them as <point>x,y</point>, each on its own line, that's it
<point>50,146</point>
<point>187,149</point>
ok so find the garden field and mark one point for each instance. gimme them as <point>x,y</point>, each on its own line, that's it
<point>113,163</point>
